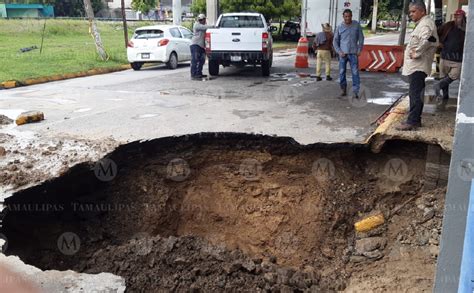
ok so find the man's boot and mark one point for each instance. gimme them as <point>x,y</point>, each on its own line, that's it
<point>343,91</point>
<point>443,84</point>
<point>437,89</point>
<point>441,104</point>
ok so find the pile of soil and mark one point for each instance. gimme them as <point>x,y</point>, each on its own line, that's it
<point>190,263</point>
<point>411,240</point>
<point>4,120</point>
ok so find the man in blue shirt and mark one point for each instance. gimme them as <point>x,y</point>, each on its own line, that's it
<point>348,43</point>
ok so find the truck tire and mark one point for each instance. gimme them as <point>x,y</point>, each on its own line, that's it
<point>266,65</point>
<point>213,67</point>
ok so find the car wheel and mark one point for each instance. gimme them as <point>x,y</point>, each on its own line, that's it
<point>173,62</point>
<point>136,65</point>
<point>266,67</point>
<point>213,67</point>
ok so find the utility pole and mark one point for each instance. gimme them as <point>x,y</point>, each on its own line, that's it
<point>455,268</point>
<point>428,7</point>
<point>212,11</point>
<point>125,27</point>
<point>177,12</point>
<point>304,13</point>
<point>374,16</point>
<point>403,28</point>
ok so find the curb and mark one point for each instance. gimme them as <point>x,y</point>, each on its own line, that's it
<point>31,81</point>
<point>284,48</point>
<point>377,139</point>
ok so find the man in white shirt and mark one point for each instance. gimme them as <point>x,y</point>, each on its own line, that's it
<point>418,59</point>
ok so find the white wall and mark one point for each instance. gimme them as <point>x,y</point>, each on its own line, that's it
<point>118,4</point>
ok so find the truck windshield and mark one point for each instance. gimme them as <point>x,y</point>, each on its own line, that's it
<point>244,21</point>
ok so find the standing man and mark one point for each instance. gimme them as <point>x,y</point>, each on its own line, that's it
<point>348,43</point>
<point>419,55</point>
<point>451,38</point>
<point>198,51</point>
<point>323,46</point>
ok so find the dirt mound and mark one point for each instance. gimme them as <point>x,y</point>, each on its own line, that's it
<point>412,245</point>
<point>187,263</point>
<point>4,120</point>
<point>224,204</point>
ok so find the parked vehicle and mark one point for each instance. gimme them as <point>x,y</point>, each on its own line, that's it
<point>390,24</point>
<point>328,11</point>
<point>240,39</point>
<point>167,44</point>
<point>291,31</point>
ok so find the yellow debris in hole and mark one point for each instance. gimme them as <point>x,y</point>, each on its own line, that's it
<point>29,117</point>
<point>369,223</point>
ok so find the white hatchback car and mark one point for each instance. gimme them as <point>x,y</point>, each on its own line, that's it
<point>168,44</point>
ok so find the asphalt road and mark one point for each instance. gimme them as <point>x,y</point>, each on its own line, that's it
<point>157,102</point>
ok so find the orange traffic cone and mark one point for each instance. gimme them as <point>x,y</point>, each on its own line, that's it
<point>302,53</point>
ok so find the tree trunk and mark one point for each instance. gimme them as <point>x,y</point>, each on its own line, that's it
<point>124,21</point>
<point>94,31</point>
<point>374,16</point>
<point>279,29</point>
<point>403,30</point>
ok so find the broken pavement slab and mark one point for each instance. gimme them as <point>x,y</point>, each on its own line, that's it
<point>29,276</point>
<point>438,128</point>
<point>29,117</point>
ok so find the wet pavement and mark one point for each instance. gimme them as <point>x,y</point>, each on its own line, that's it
<point>156,102</point>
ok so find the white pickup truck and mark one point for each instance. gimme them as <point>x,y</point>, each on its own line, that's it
<point>240,39</point>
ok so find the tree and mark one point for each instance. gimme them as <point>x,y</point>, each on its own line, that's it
<point>387,9</point>
<point>144,6</point>
<point>271,9</point>
<point>95,31</point>
<point>73,8</point>
<point>198,6</point>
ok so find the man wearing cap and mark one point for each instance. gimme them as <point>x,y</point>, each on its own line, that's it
<point>323,46</point>
<point>451,38</point>
<point>418,59</point>
<point>198,51</point>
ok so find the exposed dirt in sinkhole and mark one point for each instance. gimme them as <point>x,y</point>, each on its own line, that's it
<point>246,213</point>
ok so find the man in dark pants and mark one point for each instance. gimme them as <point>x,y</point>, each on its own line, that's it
<point>419,55</point>
<point>198,51</point>
<point>451,38</point>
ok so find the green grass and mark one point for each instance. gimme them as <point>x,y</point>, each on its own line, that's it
<point>284,45</point>
<point>68,47</point>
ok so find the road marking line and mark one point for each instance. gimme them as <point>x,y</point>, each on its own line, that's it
<point>462,118</point>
